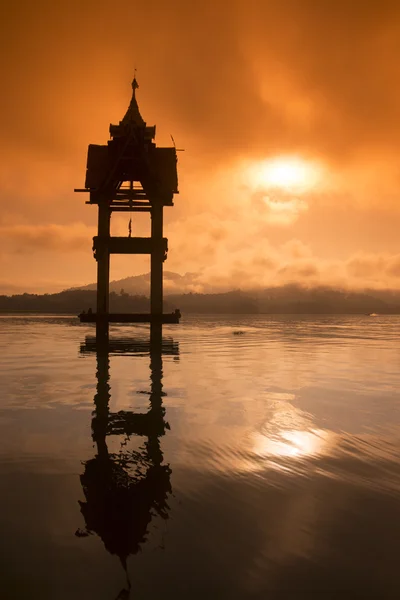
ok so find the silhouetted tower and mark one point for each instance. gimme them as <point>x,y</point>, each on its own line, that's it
<point>124,490</point>
<point>130,174</point>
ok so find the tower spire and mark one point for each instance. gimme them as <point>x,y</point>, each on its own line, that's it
<point>132,115</point>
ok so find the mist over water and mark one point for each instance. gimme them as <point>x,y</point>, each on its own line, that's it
<point>258,458</point>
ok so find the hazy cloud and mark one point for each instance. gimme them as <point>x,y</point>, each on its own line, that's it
<point>235,82</point>
<point>25,239</point>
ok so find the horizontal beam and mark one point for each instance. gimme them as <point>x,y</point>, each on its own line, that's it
<point>128,245</point>
<point>138,199</point>
<point>129,209</point>
<point>140,194</point>
<point>96,201</point>
<point>125,208</point>
<point>122,202</point>
<point>130,346</point>
<point>129,423</point>
<point>125,194</point>
<point>98,198</point>
<point>130,318</point>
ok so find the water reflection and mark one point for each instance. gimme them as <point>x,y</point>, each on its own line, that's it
<point>289,432</point>
<point>125,489</point>
<point>292,444</point>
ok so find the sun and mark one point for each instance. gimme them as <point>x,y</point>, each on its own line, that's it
<point>286,173</point>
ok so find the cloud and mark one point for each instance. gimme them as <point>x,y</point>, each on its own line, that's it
<point>277,208</point>
<point>293,263</point>
<point>26,239</point>
<point>235,82</point>
<point>375,269</point>
<point>232,78</point>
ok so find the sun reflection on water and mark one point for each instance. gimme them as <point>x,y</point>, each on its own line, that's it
<point>292,443</point>
<point>287,433</point>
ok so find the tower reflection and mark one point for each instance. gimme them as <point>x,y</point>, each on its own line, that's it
<point>124,490</point>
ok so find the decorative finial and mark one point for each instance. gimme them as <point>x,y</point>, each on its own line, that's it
<point>135,84</point>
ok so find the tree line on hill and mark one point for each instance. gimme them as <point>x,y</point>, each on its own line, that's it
<point>282,300</point>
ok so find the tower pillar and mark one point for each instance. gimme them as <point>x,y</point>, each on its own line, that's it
<point>156,260</point>
<point>103,270</point>
<point>156,270</point>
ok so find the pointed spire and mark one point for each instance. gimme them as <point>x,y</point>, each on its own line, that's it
<point>133,116</point>
<point>133,120</point>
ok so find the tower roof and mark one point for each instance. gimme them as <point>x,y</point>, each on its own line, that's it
<point>133,116</point>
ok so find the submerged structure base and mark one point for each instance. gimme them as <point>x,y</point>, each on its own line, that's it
<point>130,318</point>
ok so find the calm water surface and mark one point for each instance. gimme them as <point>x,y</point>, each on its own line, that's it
<point>257,459</point>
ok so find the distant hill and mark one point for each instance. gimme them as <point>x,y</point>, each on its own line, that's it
<point>284,300</point>
<point>174,283</point>
<point>289,299</point>
<point>236,302</point>
<point>294,299</point>
<point>70,302</point>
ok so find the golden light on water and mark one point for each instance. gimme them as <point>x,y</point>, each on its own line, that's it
<point>292,444</point>
<point>286,440</point>
<point>289,433</point>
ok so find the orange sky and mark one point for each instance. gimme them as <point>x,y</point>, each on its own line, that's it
<point>237,84</point>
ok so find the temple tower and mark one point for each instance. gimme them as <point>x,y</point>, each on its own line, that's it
<point>130,174</point>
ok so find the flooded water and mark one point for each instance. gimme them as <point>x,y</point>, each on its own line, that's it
<point>257,458</point>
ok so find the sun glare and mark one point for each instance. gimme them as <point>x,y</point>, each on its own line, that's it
<point>286,173</point>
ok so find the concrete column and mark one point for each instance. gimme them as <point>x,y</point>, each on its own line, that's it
<point>153,445</point>
<point>102,398</point>
<point>156,281</point>
<point>103,270</point>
